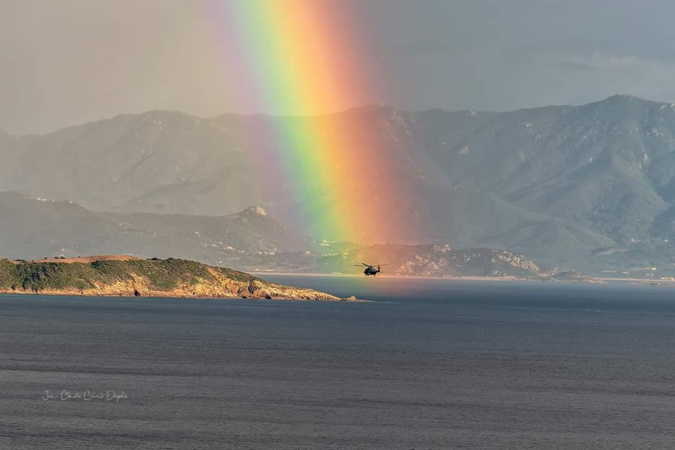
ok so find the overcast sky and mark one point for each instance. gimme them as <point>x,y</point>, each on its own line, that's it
<point>64,62</point>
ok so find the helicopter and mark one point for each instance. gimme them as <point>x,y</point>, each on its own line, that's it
<point>370,269</point>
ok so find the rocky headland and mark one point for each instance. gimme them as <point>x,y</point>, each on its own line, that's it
<point>128,277</point>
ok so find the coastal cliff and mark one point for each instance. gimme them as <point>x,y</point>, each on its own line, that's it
<point>129,277</point>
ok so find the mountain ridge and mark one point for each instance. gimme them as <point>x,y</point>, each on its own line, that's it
<point>366,107</point>
<point>32,228</point>
<point>250,240</point>
<point>556,183</point>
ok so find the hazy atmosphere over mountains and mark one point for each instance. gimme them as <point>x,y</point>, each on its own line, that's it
<point>589,187</point>
<point>214,109</point>
<point>67,62</point>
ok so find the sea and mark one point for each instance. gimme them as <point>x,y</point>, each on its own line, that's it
<point>426,364</point>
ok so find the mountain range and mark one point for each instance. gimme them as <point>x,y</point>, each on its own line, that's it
<point>36,229</point>
<point>588,187</point>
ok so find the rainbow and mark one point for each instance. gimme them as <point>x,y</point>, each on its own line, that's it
<point>297,58</point>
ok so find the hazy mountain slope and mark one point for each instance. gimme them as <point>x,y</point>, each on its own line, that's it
<point>250,240</point>
<point>560,184</point>
<point>166,162</point>
<point>591,165</point>
<point>594,176</point>
<point>117,164</point>
<point>30,228</point>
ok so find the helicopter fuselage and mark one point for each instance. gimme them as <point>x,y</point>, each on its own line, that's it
<point>370,270</point>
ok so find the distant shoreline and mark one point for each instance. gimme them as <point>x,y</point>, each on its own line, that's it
<point>589,280</point>
<point>403,277</point>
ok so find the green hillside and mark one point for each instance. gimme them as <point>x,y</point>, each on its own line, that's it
<point>141,277</point>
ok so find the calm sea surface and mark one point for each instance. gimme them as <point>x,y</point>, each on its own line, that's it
<point>427,364</point>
